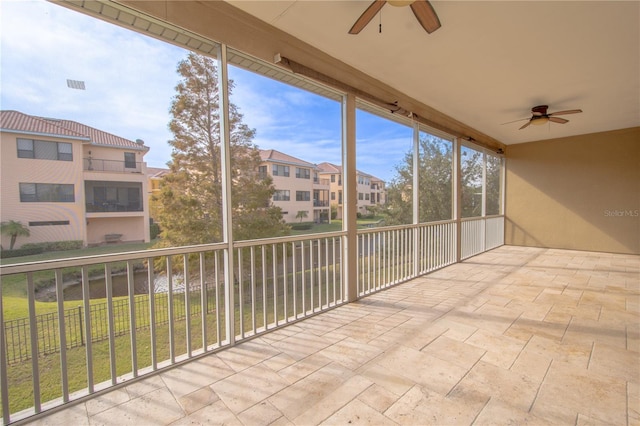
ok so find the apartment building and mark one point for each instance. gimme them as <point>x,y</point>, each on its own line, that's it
<point>68,181</point>
<point>154,179</point>
<point>299,187</point>
<point>371,190</point>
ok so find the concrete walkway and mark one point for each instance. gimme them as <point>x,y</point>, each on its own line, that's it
<point>513,336</point>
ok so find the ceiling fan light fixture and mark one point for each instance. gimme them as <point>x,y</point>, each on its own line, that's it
<point>539,120</point>
<point>400,3</point>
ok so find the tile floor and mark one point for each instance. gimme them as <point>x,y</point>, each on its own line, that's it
<point>513,336</point>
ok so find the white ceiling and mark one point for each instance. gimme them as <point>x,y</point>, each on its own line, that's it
<point>491,61</point>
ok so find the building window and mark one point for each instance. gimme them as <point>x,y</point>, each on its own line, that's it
<point>333,195</point>
<point>113,196</point>
<point>46,193</point>
<point>360,196</point>
<point>49,223</point>
<point>45,150</point>
<point>279,170</point>
<point>303,195</point>
<point>262,172</point>
<point>339,197</point>
<point>303,173</point>
<point>281,195</point>
<point>130,160</point>
<point>333,178</point>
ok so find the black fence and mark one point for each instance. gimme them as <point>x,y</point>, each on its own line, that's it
<point>17,332</point>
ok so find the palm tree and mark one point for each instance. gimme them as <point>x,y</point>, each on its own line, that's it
<point>301,214</point>
<point>14,229</point>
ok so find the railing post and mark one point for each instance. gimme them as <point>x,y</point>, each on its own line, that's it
<point>225,158</point>
<point>416,198</point>
<point>80,325</point>
<point>350,198</point>
<point>457,195</point>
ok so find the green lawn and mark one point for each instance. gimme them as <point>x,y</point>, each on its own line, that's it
<point>336,225</point>
<point>91,251</point>
<point>15,306</point>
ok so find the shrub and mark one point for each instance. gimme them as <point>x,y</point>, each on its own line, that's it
<point>154,231</point>
<point>55,245</point>
<point>5,254</point>
<point>302,226</point>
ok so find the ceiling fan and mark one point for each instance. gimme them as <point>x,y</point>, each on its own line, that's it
<point>421,8</point>
<point>540,116</point>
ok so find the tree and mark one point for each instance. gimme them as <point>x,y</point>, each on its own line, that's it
<point>434,183</point>
<point>302,214</point>
<point>14,229</point>
<point>190,201</point>
<point>471,182</point>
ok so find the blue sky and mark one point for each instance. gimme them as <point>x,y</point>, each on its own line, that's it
<point>130,81</point>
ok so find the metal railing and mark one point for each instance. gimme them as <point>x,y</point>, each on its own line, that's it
<point>100,165</point>
<point>196,300</point>
<point>184,312</point>
<point>391,255</point>
<point>481,234</point>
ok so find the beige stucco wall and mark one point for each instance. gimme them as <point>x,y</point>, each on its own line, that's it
<point>15,170</point>
<point>133,228</point>
<point>579,192</point>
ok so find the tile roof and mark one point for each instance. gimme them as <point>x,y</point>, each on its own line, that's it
<point>329,168</point>
<point>19,122</point>
<point>156,172</point>
<point>277,156</point>
<point>29,124</point>
<point>333,168</point>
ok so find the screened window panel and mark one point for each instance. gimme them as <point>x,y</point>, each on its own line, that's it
<point>65,151</point>
<point>46,150</point>
<point>25,148</point>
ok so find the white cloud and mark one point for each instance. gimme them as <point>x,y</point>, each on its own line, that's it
<point>130,81</point>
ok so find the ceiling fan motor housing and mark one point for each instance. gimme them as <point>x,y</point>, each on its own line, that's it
<point>540,110</point>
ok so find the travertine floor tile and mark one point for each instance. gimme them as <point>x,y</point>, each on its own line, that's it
<point>74,415</point>
<point>358,413</point>
<point>263,413</point>
<point>315,414</point>
<point>424,369</point>
<point>157,407</point>
<point>245,389</point>
<point>195,375</point>
<point>213,414</point>
<point>509,386</point>
<point>461,354</point>
<point>295,399</point>
<point>499,412</point>
<point>513,336</point>
<point>420,406</point>
<point>106,401</point>
<point>567,391</point>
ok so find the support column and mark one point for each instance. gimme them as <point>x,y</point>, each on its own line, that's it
<point>457,195</point>
<point>416,198</point>
<point>225,159</point>
<point>350,198</point>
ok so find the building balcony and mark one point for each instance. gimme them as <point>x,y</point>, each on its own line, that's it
<point>320,203</point>
<point>504,335</point>
<point>112,166</point>
<point>113,207</point>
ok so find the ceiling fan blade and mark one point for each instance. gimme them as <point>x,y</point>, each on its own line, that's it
<point>558,120</point>
<point>426,15</point>
<point>526,124</point>
<point>367,16</point>
<point>515,121</point>
<point>569,111</point>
